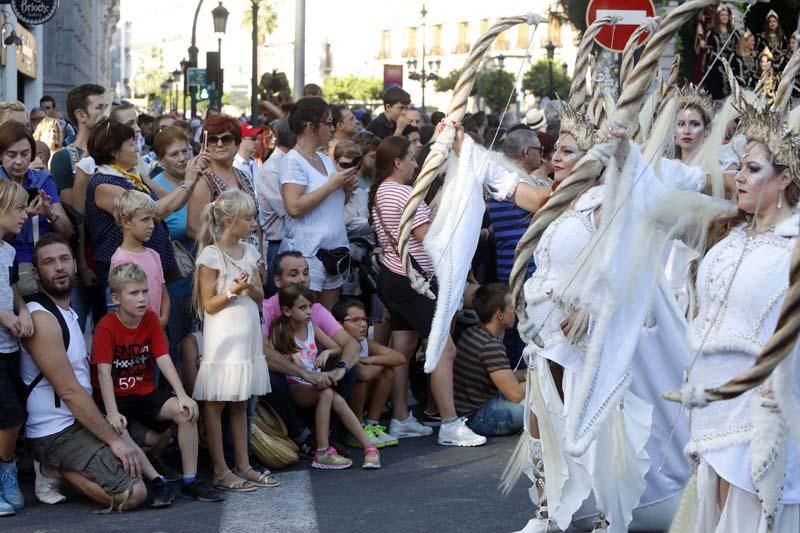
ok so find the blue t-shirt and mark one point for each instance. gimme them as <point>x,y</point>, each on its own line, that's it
<point>176,222</point>
<point>24,241</point>
<point>509,223</point>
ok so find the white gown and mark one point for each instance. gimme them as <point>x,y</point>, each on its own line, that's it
<point>734,439</point>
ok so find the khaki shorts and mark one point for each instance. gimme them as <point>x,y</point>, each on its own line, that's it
<point>76,449</point>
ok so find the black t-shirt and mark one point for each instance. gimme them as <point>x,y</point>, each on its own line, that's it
<point>381,126</point>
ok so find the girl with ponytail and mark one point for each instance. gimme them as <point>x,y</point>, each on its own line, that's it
<point>227,294</point>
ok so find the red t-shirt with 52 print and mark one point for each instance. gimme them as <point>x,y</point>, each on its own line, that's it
<point>131,352</point>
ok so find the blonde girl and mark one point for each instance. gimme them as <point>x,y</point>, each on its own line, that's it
<point>227,295</point>
<point>294,335</point>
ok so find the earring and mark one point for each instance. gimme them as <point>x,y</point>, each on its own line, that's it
<point>780,198</point>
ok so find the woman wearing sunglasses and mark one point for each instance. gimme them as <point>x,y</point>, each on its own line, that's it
<point>222,135</point>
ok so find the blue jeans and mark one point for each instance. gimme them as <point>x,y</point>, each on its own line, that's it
<point>498,416</point>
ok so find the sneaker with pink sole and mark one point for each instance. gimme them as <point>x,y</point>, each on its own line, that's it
<point>330,460</point>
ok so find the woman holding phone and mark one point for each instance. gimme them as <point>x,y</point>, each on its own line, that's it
<point>45,213</point>
<point>314,194</point>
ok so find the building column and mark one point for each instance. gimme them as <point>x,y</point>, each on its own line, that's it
<point>8,87</point>
<point>34,89</point>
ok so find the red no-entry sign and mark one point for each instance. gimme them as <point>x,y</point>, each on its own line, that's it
<point>631,14</point>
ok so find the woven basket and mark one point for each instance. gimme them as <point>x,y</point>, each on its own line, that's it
<point>269,421</point>
<point>274,452</point>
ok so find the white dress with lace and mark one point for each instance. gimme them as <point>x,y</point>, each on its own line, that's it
<point>741,285</point>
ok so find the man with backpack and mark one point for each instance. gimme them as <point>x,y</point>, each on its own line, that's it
<point>68,432</point>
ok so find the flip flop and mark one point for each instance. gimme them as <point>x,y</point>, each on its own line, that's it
<point>241,485</point>
<point>265,479</point>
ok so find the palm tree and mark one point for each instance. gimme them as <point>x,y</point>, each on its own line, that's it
<point>267,20</point>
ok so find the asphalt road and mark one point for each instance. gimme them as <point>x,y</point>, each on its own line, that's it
<point>422,487</point>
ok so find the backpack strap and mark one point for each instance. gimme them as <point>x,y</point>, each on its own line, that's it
<point>49,305</point>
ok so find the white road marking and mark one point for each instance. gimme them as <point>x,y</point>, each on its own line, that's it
<point>628,16</point>
<point>287,509</point>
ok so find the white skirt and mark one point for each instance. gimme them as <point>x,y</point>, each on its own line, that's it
<point>742,511</point>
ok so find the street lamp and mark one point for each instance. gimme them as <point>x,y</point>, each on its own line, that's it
<point>254,66</point>
<point>220,16</point>
<point>551,51</point>
<point>184,68</point>
<point>192,63</point>
<point>423,76</point>
<point>176,75</point>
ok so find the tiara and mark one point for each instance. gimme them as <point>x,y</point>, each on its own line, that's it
<point>692,96</point>
<point>766,127</point>
<point>578,125</point>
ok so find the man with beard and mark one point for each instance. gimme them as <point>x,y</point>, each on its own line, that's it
<point>68,433</point>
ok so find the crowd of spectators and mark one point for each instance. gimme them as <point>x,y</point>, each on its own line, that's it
<point>215,264</point>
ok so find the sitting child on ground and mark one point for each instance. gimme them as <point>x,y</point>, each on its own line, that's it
<point>375,371</point>
<point>127,344</point>
<point>294,335</point>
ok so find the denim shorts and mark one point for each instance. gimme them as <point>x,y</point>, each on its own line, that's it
<point>498,416</point>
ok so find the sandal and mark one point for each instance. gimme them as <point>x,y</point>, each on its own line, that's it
<point>265,478</point>
<point>241,485</point>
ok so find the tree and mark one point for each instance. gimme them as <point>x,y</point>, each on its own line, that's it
<point>447,83</point>
<point>267,20</point>
<point>348,88</point>
<point>537,80</point>
<point>495,87</point>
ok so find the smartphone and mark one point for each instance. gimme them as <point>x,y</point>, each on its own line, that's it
<point>32,195</point>
<point>205,139</point>
<point>356,162</point>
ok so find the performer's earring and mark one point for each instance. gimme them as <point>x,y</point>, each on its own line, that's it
<point>780,198</point>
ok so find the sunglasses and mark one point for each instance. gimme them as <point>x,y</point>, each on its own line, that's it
<point>539,149</point>
<point>361,319</point>
<point>226,139</point>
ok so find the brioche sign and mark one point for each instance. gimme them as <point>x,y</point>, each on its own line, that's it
<point>34,12</point>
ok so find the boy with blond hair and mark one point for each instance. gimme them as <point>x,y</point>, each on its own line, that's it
<point>128,344</point>
<point>135,214</point>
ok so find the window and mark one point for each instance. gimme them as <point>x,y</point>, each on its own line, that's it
<point>484,26</point>
<point>523,36</point>
<point>501,43</point>
<point>385,51</point>
<point>436,48</point>
<point>411,43</point>
<point>463,38</point>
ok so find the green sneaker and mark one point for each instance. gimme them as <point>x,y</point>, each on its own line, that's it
<point>351,442</point>
<point>381,439</point>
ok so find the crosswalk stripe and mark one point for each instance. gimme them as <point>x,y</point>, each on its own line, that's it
<point>288,508</point>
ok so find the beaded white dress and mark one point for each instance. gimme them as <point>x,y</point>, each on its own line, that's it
<point>741,284</point>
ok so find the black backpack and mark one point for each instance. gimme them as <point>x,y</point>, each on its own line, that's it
<point>49,305</point>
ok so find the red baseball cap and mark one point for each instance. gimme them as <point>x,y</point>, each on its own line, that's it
<point>250,131</point>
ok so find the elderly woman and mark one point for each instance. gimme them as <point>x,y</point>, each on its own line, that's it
<point>174,152</point>
<point>314,197</point>
<point>113,147</point>
<point>45,213</point>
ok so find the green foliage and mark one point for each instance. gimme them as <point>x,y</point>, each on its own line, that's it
<point>267,19</point>
<point>448,82</point>
<point>495,86</point>
<point>537,80</point>
<point>274,83</point>
<point>349,88</point>
<point>576,12</point>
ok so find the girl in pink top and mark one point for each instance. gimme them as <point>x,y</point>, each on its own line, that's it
<point>294,335</point>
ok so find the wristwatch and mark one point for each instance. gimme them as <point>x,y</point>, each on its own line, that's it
<point>56,216</point>
<point>231,296</point>
<point>342,364</point>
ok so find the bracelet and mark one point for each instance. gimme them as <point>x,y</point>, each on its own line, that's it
<point>183,186</point>
<point>342,364</point>
<point>55,218</point>
<point>231,296</point>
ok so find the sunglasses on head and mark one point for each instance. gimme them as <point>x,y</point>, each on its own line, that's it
<point>226,139</point>
<point>356,161</point>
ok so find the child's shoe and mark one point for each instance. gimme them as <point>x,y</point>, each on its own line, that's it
<point>372,459</point>
<point>9,486</point>
<point>330,460</point>
<point>378,436</point>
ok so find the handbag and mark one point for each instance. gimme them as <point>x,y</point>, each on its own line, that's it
<point>184,263</point>
<point>336,261</point>
<point>432,282</point>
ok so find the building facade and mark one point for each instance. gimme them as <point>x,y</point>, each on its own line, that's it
<point>76,44</point>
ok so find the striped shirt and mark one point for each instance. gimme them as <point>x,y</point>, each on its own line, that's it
<point>509,223</point>
<point>479,354</point>
<point>390,199</point>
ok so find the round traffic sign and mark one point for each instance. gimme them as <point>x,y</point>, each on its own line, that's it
<point>631,14</point>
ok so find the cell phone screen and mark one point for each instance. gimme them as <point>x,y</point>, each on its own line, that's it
<point>32,194</point>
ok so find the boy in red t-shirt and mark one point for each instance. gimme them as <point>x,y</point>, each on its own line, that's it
<point>127,344</point>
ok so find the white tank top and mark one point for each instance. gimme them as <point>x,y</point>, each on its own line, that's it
<point>44,418</point>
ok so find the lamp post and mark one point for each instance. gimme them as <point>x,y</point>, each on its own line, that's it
<point>192,63</point>
<point>165,87</point>
<point>423,76</point>
<point>551,50</point>
<point>220,16</point>
<point>176,75</point>
<point>254,66</point>
<point>184,69</point>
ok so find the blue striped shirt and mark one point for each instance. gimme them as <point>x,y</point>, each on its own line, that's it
<point>509,223</point>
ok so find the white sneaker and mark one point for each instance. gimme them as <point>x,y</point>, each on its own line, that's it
<point>409,427</point>
<point>456,433</point>
<point>46,487</point>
